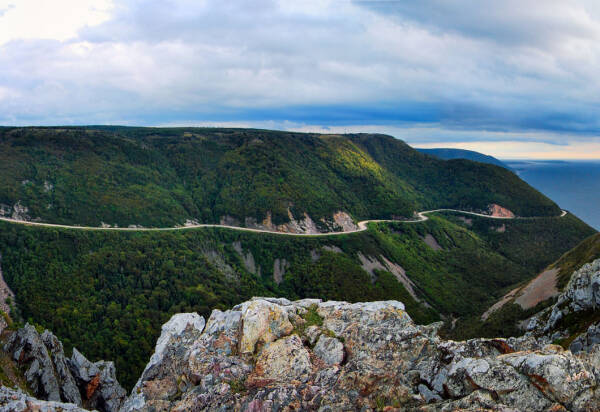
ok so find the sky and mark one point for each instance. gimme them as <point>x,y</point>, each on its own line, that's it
<point>511,78</point>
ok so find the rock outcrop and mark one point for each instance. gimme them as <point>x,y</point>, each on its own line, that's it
<point>69,391</point>
<point>98,383</point>
<point>6,298</point>
<point>272,354</point>
<point>55,378</point>
<point>339,222</point>
<point>13,400</point>
<point>579,300</point>
<point>499,211</point>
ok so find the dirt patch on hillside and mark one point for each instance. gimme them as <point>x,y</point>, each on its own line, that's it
<point>332,248</point>
<point>279,268</point>
<point>539,289</point>
<point>468,221</point>
<point>247,259</point>
<point>542,287</point>
<point>505,299</point>
<point>431,242</point>
<point>370,264</point>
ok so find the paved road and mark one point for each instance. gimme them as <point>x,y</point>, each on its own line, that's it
<point>362,225</point>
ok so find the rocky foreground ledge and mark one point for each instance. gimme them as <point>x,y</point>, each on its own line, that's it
<point>272,354</point>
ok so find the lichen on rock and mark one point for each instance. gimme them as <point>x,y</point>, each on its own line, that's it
<point>362,356</point>
<point>272,354</point>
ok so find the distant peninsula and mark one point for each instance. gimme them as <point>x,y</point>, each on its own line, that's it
<point>447,154</point>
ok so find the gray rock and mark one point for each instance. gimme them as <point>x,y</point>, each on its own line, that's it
<point>388,361</point>
<point>283,360</point>
<point>53,377</point>
<point>12,400</point>
<point>428,394</point>
<point>28,350</point>
<point>263,321</point>
<point>81,368</point>
<point>582,293</point>
<point>557,374</point>
<point>587,340</point>
<point>330,350</point>
<point>98,383</point>
<point>69,392</point>
<point>159,380</point>
<point>583,290</point>
<point>312,333</point>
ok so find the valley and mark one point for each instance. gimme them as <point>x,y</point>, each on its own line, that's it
<point>108,291</point>
<point>106,232</point>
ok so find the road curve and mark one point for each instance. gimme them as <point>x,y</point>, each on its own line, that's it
<point>362,225</point>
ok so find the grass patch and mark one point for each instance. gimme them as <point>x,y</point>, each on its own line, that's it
<point>237,385</point>
<point>310,318</point>
<point>576,323</point>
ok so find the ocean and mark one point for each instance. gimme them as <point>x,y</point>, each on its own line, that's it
<point>573,185</point>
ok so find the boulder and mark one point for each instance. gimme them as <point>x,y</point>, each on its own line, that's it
<point>53,377</point>
<point>69,391</point>
<point>12,400</point>
<point>312,334</point>
<point>28,351</point>
<point>557,374</point>
<point>587,340</point>
<point>330,350</point>
<point>97,382</point>
<point>263,321</point>
<point>284,360</point>
<point>583,290</point>
<point>162,377</point>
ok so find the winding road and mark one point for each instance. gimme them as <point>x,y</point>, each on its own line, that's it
<point>362,225</point>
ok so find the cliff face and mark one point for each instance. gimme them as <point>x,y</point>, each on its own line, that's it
<point>574,318</point>
<point>51,376</point>
<point>271,354</point>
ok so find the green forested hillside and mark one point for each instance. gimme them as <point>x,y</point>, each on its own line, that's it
<point>109,292</point>
<point>448,153</point>
<point>583,253</point>
<point>161,177</point>
<point>533,243</point>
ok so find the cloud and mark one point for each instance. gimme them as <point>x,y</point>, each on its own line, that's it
<point>483,67</point>
<point>511,22</point>
<point>57,19</point>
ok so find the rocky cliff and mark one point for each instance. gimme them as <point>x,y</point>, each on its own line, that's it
<point>574,319</point>
<point>51,376</point>
<point>272,354</point>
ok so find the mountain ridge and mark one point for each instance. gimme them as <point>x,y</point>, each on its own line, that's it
<point>451,153</point>
<point>126,282</point>
<point>166,177</point>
